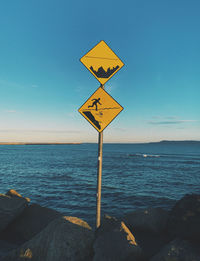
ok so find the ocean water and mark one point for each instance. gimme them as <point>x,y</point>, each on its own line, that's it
<point>64,177</point>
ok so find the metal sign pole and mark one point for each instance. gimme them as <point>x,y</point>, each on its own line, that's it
<point>99,175</point>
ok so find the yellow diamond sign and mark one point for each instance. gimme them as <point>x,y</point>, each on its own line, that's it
<point>102,62</point>
<point>100,109</point>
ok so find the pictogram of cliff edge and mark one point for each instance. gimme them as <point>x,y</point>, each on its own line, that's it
<point>91,117</point>
<point>101,73</point>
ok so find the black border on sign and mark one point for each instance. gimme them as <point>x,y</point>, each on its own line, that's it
<point>111,120</point>
<point>91,71</point>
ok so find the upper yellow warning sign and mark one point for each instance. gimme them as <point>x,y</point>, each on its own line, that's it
<point>102,62</point>
<point>100,109</point>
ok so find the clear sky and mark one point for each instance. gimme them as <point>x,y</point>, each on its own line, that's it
<point>43,83</point>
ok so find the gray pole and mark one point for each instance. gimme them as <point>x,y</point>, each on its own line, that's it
<point>99,174</point>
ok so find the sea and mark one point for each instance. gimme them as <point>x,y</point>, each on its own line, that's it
<point>134,176</point>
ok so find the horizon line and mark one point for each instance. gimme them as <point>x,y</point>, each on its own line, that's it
<point>79,143</point>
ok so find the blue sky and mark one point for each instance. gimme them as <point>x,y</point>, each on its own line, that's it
<point>43,83</point>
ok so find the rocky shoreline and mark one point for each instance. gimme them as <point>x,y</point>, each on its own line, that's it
<point>32,232</point>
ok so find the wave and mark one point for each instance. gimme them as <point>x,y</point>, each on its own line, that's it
<point>144,155</point>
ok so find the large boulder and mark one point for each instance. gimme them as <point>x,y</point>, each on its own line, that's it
<point>178,250</point>
<point>184,218</point>
<point>150,243</point>
<point>115,242</point>
<point>11,206</point>
<point>148,227</point>
<point>5,248</point>
<point>65,238</point>
<point>32,220</point>
<point>151,220</point>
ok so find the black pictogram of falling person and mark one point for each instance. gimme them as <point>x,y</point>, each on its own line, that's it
<point>95,101</point>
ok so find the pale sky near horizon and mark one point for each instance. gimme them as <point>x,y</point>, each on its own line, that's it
<point>43,83</point>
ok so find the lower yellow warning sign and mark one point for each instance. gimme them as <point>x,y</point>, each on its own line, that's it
<point>100,109</point>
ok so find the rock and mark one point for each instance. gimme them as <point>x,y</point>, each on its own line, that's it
<point>150,220</point>
<point>78,221</point>
<point>61,240</point>
<point>114,242</point>
<point>178,250</point>
<point>14,193</point>
<point>184,218</point>
<point>32,220</point>
<point>148,227</point>
<point>10,208</point>
<point>5,248</point>
<point>150,243</point>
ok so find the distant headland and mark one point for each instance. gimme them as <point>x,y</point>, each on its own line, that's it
<point>177,142</point>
